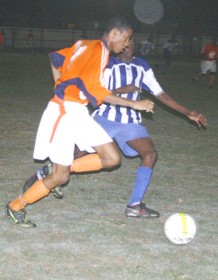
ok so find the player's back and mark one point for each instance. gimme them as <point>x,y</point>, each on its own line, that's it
<point>81,68</point>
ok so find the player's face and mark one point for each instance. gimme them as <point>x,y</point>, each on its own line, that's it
<point>130,50</point>
<point>120,40</point>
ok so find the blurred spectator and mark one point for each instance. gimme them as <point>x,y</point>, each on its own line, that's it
<point>168,50</point>
<point>146,47</point>
<point>209,54</point>
<point>30,39</point>
<point>2,39</point>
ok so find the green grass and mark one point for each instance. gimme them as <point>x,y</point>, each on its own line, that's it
<point>85,235</point>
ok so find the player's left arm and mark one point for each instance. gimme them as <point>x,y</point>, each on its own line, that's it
<point>126,89</point>
<point>192,115</point>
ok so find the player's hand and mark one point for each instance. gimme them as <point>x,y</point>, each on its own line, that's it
<point>125,89</point>
<point>198,118</point>
<point>145,105</point>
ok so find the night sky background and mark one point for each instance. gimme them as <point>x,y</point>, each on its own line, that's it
<point>199,17</point>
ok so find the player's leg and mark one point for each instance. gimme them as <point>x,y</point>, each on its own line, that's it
<point>107,156</point>
<point>204,68</point>
<point>61,151</point>
<point>197,76</point>
<point>46,170</point>
<point>167,57</point>
<point>41,188</point>
<point>211,80</point>
<point>212,74</point>
<point>134,140</point>
<point>148,155</point>
<point>41,173</point>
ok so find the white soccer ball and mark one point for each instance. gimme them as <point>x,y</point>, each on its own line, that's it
<point>180,228</point>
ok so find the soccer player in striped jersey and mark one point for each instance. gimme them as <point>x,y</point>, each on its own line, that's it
<point>66,122</point>
<point>127,77</point>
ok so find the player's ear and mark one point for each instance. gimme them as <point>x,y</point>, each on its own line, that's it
<point>114,32</point>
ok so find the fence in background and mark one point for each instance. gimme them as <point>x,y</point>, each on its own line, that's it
<point>56,39</point>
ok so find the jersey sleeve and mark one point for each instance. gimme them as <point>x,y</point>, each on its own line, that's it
<point>57,58</point>
<point>149,82</point>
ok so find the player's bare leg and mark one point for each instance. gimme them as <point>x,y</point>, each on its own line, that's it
<point>211,79</point>
<point>198,76</point>
<point>147,152</point>
<point>148,156</point>
<point>41,188</point>
<point>107,156</point>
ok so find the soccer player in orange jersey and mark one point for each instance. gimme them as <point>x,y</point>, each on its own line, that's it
<point>208,63</point>
<point>66,122</point>
<point>126,76</point>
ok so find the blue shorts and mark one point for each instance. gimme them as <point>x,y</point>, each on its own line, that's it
<point>122,132</point>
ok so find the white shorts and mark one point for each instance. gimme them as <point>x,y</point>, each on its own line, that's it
<point>207,65</point>
<point>76,126</point>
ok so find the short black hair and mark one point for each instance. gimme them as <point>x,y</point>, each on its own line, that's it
<point>118,22</point>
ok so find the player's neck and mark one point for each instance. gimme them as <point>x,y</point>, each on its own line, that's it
<point>126,58</point>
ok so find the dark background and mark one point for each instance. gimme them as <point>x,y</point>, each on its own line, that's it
<point>185,17</point>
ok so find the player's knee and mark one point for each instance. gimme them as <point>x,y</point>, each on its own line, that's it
<point>111,161</point>
<point>60,178</point>
<point>150,157</point>
<point>153,155</point>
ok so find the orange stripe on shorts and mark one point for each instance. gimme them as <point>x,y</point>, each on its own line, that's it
<point>62,112</point>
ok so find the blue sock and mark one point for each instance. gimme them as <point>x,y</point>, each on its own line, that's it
<point>143,177</point>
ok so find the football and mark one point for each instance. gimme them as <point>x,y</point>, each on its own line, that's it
<point>180,228</point>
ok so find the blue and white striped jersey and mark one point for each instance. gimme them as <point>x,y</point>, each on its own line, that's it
<point>118,74</point>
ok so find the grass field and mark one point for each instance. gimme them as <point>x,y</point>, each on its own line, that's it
<point>86,235</point>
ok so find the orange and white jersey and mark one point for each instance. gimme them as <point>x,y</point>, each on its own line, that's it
<point>82,67</point>
<point>210,52</point>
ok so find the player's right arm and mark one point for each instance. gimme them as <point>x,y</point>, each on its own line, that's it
<point>143,105</point>
<point>192,115</point>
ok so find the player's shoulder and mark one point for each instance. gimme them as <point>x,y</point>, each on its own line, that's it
<point>141,62</point>
<point>91,43</point>
<point>114,61</point>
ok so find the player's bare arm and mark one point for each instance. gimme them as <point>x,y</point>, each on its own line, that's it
<point>125,89</point>
<point>144,105</point>
<point>192,115</point>
<point>198,118</point>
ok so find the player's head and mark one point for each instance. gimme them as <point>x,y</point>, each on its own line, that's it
<point>128,52</point>
<point>118,32</point>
